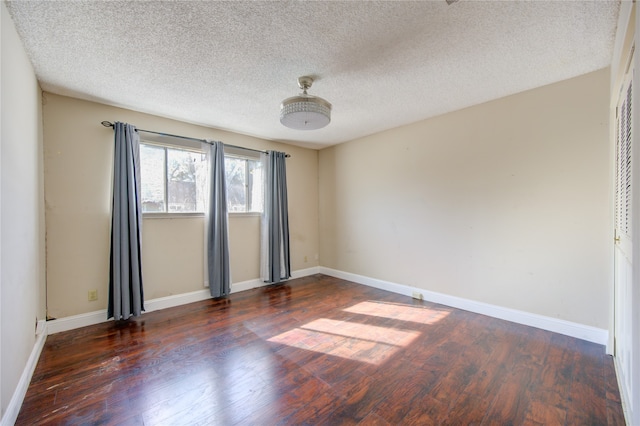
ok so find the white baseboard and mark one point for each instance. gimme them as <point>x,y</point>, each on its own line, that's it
<point>176,300</point>
<point>305,272</point>
<point>97,317</point>
<point>13,409</point>
<point>76,321</point>
<point>246,285</point>
<point>580,331</point>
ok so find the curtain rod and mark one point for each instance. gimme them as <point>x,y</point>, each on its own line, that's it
<point>110,124</point>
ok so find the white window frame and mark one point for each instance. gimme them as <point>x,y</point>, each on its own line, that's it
<point>176,144</point>
<point>248,155</point>
<point>194,146</point>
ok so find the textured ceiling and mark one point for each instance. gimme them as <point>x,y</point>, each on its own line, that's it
<point>381,64</point>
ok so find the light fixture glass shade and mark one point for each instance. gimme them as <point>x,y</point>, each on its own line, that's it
<point>305,112</point>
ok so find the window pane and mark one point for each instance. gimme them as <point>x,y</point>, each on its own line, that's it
<point>202,194</point>
<point>175,180</point>
<point>152,178</point>
<point>236,190</point>
<point>255,186</point>
<point>181,180</point>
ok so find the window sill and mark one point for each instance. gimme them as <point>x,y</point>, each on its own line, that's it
<point>193,215</point>
<point>244,214</point>
<point>171,215</point>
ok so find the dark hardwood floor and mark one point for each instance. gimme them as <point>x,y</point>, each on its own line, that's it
<point>319,350</point>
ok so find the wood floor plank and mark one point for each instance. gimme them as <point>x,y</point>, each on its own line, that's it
<point>469,409</point>
<point>319,350</point>
<point>512,401</point>
<point>548,401</point>
<point>588,394</point>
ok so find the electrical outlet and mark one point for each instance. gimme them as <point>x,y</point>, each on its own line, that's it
<point>93,295</point>
<point>417,295</point>
<point>305,259</point>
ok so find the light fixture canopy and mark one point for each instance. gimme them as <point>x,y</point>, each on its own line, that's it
<point>305,112</point>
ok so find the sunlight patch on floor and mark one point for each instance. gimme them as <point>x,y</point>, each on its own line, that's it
<point>363,348</point>
<point>368,343</point>
<point>386,335</point>
<point>397,311</point>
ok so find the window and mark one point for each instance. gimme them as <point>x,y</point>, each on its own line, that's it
<point>173,180</point>
<point>244,184</point>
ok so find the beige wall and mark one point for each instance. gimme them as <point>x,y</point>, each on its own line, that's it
<point>506,203</point>
<point>21,212</point>
<point>78,173</point>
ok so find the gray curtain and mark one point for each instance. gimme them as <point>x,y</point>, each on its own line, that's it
<point>218,266</point>
<point>276,220</point>
<point>125,274</point>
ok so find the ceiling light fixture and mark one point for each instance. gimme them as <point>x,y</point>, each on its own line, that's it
<point>305,112</point>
